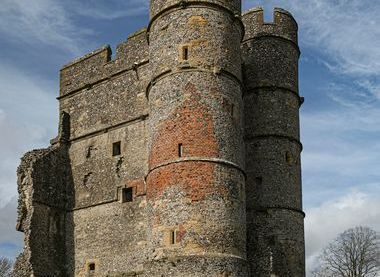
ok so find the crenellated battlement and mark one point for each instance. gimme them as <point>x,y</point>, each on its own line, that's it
<point>98,65</point>
<point>283,25</point>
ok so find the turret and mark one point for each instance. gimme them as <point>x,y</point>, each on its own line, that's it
<point>196,179</point>
<point>275,232</point>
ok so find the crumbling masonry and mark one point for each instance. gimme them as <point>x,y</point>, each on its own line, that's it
<point>180,157</point>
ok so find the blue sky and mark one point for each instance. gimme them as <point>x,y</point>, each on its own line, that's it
<point>339,78</point>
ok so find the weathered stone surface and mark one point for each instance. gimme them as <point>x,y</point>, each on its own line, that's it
<point>275,238</point>
<point>180,157</point>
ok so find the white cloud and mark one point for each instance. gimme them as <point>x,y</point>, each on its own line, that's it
<point>346,30</point>
<point>337,121</point>
<point>360,94</point>
<point>27,120</point>
<point>54,23</point>
<point>342,142</point>
<point>40,21</point>
<point>325,222</point>
<point>10,239</point>
<point>370,86</point>
<point>112,9</point>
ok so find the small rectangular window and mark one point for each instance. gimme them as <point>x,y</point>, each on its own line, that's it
<point>289,158</point>
<point>259,181</point>
<point>116,148</point>
<point>180,150</point>
<point>126,195</point>
<point>185,53</point>
<point>232,109</point>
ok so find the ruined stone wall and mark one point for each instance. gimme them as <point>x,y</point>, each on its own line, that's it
<point>43,187</point>
<point>274,202</point>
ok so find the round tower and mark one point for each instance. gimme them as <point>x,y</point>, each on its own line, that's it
<point>196,180</point>
<point>275,232</point>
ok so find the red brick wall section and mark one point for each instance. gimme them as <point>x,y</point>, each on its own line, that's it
<point>194,178</point>
<point>190,124</point>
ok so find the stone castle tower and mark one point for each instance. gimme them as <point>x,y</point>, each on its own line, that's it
<point>180,157</point>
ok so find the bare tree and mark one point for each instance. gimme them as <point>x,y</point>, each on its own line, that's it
<point>354,253</point>
<point>5,267</point>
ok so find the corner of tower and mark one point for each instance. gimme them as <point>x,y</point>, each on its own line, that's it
<point>283,25</point>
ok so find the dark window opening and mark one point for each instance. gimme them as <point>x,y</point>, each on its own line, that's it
<point>86,179</point>
<point>89,150</point>
<point>116,148</point>
<point>241,190</point>
<point>259,180</point>
<point>91,267</point>
<point>127,195</point>
<point>232,109</point>
<point>185,53</point>
<point>173,237</point>
<point>180,150</point>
